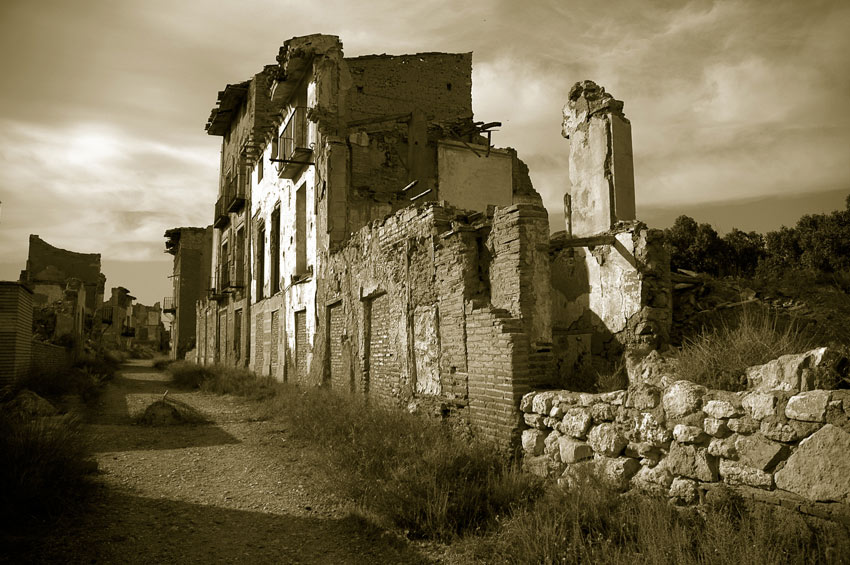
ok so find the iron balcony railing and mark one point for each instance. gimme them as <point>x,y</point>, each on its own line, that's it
<point>168,306</point>
<point>106,315</point>
<point>294,147</point>
<point>221,216</point>
<point>234,193</point>
<point>230,277</point>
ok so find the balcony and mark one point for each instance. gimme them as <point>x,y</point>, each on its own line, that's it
<point>294,147</point>
<point>168,306</point>
<point>221,216</point>
<point>127,331</point>
<point>234,194</point>
<point>106,315</point>
<point>230,278</point>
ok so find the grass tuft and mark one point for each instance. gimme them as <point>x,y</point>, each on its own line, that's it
<point>719,357</point>
<point>45,465</point>
<point>591,524</point>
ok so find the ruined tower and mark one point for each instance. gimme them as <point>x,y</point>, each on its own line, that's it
<point>601,166</point>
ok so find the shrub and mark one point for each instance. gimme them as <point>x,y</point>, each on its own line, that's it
<point>162,364</point>
<point>188,375</point>
<point>718,357</point>
<point>221,379</point>
<point>45,465</point>
<point>412,472</point>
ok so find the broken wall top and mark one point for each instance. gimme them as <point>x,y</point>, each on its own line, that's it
<point>48,263</point>
<point>585,99</point>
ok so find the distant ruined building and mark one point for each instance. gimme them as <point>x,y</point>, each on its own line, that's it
<point>368,237</point>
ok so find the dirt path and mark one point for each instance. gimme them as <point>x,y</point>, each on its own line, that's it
<point>236,490</point>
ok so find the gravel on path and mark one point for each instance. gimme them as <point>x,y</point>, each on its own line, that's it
<point>236,489</point>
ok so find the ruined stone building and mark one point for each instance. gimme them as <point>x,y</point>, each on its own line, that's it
<point>148,329</point>
<point>369,237</point>
<point>67,290</point>
<point>117,319</point>
<point>191,248</point>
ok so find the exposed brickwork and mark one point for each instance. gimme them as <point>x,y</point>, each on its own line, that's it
<point>259,357</point>
<point>439,83</point>
<point>52,359</point>
<point>384,371</point>
<point>275,341</point>
<point>301,346</point>
<point>336,334</point>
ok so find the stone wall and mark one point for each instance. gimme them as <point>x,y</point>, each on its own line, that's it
<point>679,440</point>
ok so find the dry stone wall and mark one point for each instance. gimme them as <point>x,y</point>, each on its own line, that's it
<point>682,439</point>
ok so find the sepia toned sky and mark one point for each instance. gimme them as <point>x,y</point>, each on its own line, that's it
<point>739,109</point>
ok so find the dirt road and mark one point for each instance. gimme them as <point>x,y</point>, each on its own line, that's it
<point>235,490</point>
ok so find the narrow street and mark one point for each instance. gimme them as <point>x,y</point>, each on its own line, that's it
<point>234,490</point>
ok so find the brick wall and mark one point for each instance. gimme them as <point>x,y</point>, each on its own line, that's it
<point>50,358</point>
<point>275,341</point>
<point>383,368</point>
<point>440,84</point>
<point>15,331</point>
<point>339,377</point>
<point>301,346</point>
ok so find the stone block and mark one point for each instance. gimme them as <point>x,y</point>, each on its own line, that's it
<point>737,473</point>
<point>542,402</point>
<point>715,427</point>
<point>653,480</point>
<point>723,447</point>
<point>525,403</point>
<point>550,444</point>
<point>743,425</point>
<point>606,439</point>
<point>819,469</point>
<point>557,411</point>
<point>780,429</point>
<point>720,409</point>
<point>615,398</point>
<point>603,413</point>
<point>758,452</point>
<point>534,421</point>
<point>682,398</point>
<point>576,422</point>
<point>689,434</point>
<point>616,471</point>
<point>683,491</point>
<point>790,373</point>
<point>573,451</point>
<point>760,405</point>
<point>692,462</point>
<point>533,442</point>
<point>643,396</point>
<point>649,429</point>
<point>808,406</point>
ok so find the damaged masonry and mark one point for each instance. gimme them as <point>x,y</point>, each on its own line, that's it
<point>368,237</point>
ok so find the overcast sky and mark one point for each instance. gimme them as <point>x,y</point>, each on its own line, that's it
<point>739,109</point>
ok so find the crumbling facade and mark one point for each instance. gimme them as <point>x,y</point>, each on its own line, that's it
<point>67,291</point>
<point>117,319</point>
<point>192,250</point>
<point>368,237</point>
